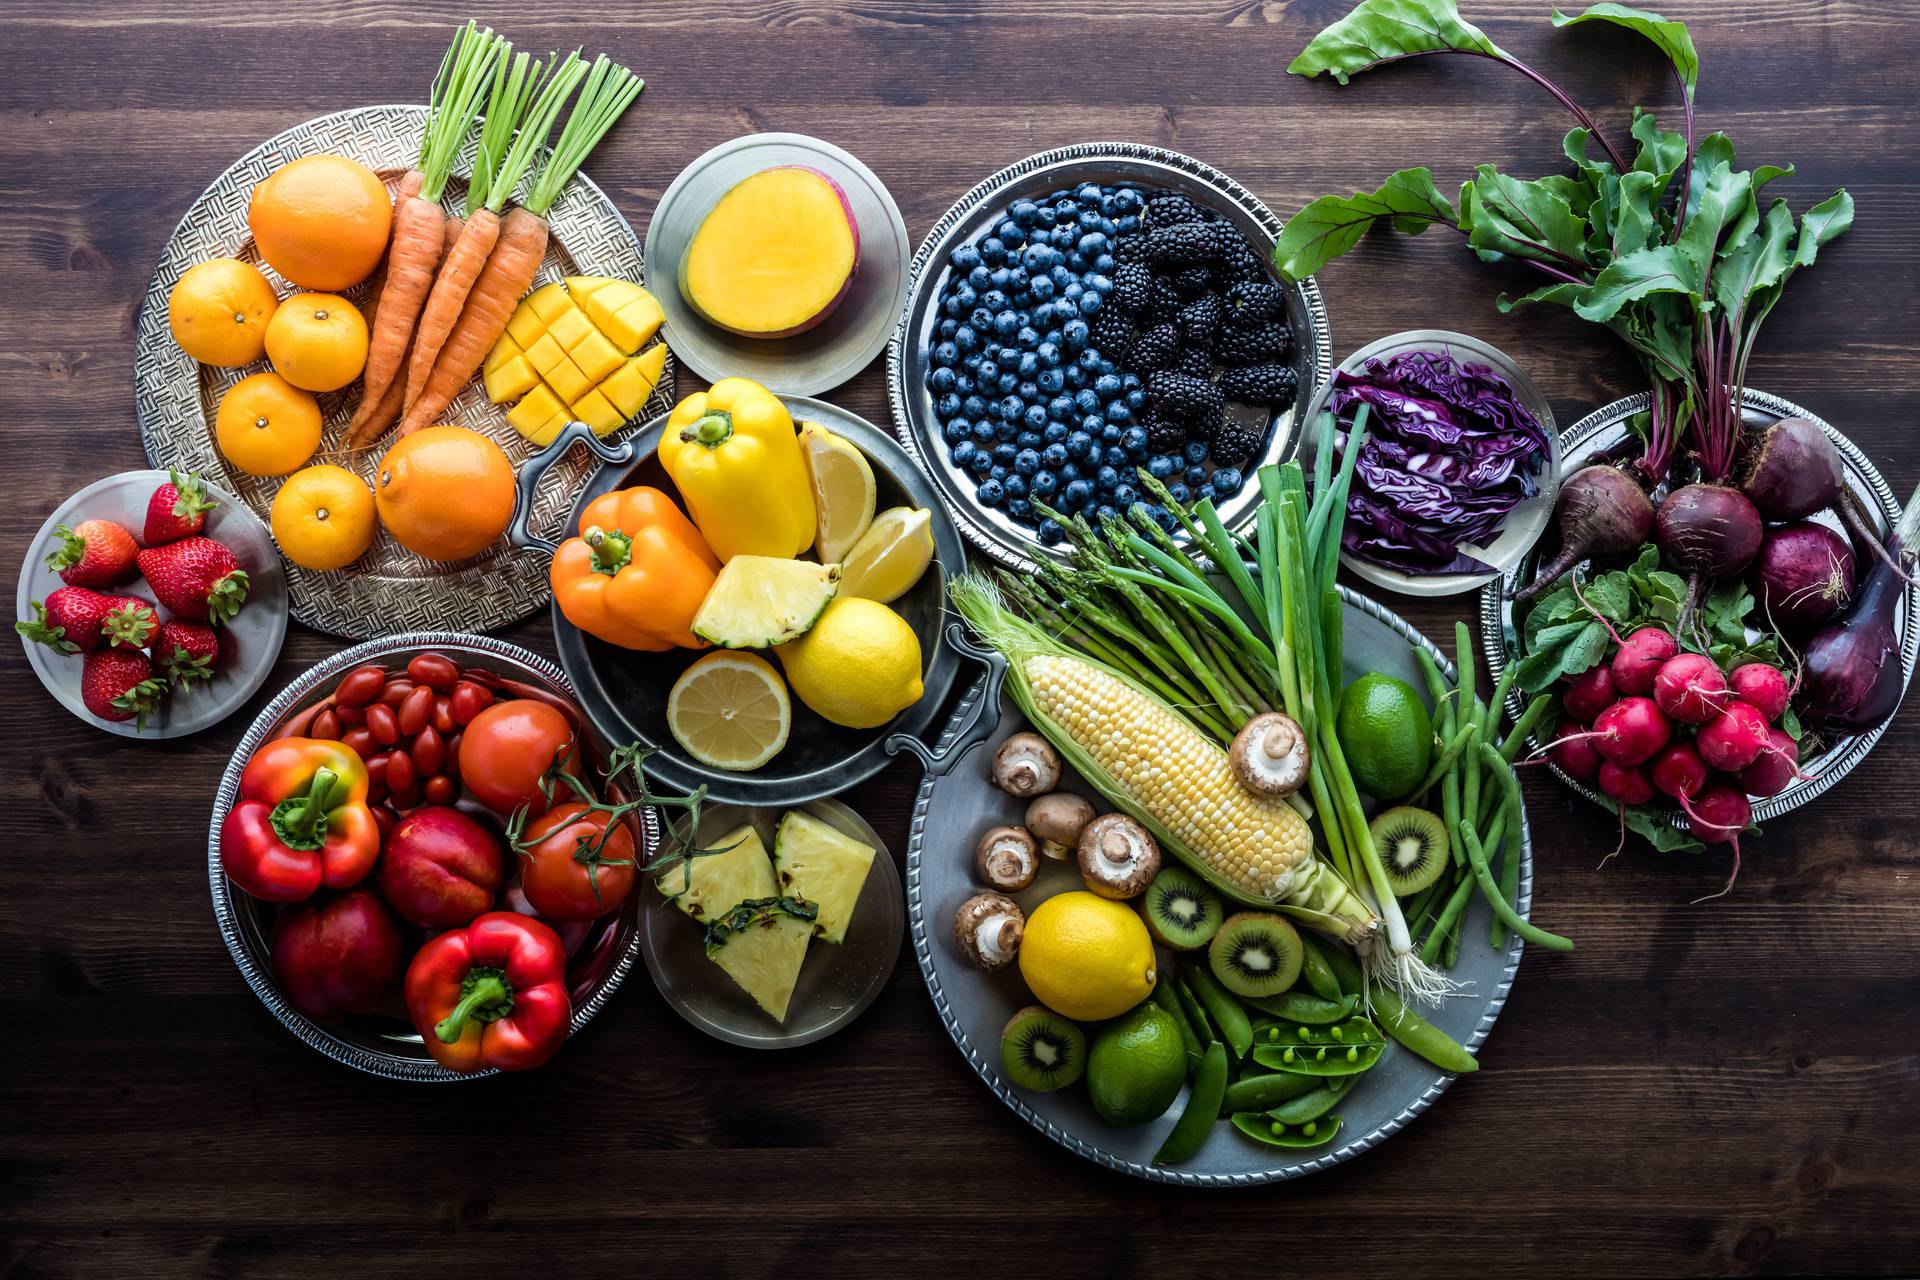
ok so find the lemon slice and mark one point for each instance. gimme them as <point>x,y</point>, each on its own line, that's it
<point>731,711</point>
<point>843,492</point>
<point>761,601</point>
<point>885,564</point>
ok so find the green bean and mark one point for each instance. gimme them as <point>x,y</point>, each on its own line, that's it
<point>1523,727</point>
<point>1298,1006</point>
<point>1311,1106</point>
<point>1515,811</point>
<point>1501,687</point>
<point>1468,685</point>
<point>1470,767</point>
<point>1435,682</point>
<point>1235,1028</point>
<point>1450,948</point>
<point>1313,966</point>
<point>1418,1035</point>
<point>1450,809</point>
<point>1477,858</point>
<point>1314,1133</point>
<point>1166,998</point>
<point>1421,907</point>
<point>1264,1090</point>
<point>1450,914</point>
<point>1202,1109</point>
<point>1195,1014</point>
<point>1449,754</point>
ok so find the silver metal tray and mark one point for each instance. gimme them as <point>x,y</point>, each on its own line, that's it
<point>389,590</point>
<point>384,1044</point>
<point>994,532</point>
<point>955,807</point>
<point>1606,427</point>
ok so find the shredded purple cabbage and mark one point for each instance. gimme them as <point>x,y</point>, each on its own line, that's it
<point>1449,451</point>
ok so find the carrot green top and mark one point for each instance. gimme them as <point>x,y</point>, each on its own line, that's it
<point>513,88</point>
<point>609,90</point>
<point>464,72</point>
<point>539,118</point>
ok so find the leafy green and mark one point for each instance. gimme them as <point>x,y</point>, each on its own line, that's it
<point>1380,31</point>
<point>1332,225</point>
<point>1671,38</point>
<point>1660,833</point>
<point>1560,651</point>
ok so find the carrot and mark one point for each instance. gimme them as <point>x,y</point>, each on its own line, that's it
<point>404,190</point>
<point>455,225</point>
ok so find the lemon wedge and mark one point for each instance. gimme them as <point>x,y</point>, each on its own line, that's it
<point>896,550</point>
<point>843,492</point>
<point>730,711</point>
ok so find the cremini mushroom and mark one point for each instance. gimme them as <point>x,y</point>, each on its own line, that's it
<point>1270,755</point>
<point>987,928</point>
<point>1058,820</point>
<point>1007,858</point>
<point>1026,765</point>
<point>1118,856</point>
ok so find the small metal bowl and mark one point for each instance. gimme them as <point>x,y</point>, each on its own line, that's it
<point>993,531</point>
<point>385,1043</point>
<point>1522,526</point>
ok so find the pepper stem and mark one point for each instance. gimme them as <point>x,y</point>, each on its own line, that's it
<point>484,997</point>
<point>612,549</point>
<point>711,429</point>
<point>301,820</point>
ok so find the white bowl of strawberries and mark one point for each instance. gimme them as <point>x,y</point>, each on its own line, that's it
<point>152,604</point>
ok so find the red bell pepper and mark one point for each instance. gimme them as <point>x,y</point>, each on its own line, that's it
<point>301,821</point>
<point>491,995</point>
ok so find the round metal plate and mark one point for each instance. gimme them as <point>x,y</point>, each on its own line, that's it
<point>625,691</point>
<point>951,812</point>
<point>384,1044</point>
<point>990,530</point>
<point>1523,525</point>
<point>248,645</point>
<point>831,352</point>
<point>1603,428</point>
<point>389,589</point>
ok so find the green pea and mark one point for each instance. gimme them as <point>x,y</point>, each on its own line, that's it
<point>1276,1128</point>
<point>1310,1128</point>
<point>1304,1033</point>
<point>1287,1056</point>
<point>1353,1053</point>
<point>1339,1033</point>
<point>1273,1033</point>
<point>1322,1053</point>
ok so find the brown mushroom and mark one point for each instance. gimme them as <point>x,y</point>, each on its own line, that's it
<point>1118,856</point>
<point>987,928</point>
<point>1007,858</point>
<point>1026,765</point>
<point>1057,820</point>
<point>1270,755</point>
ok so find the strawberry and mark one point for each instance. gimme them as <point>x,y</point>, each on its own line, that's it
<point>118,684</point>
<point>177,508</point>
<point>94,553</point>
<point>79,620</point>
<point>185,651</point>
<point>195,578</point>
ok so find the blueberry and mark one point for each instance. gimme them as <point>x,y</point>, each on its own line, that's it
<point>974,407</point>
<point>980,463</point>
<point>1179,492</point>
<point>1050,533</point>
<point>1090,220</point>
<point>1061,277</point>
<point>998,472</point>
<point>1091,301</point>
<point>1226,481</point>
<point>1195,452</point>
<point>1107,386</point>
<point>1006,324</point>
<point>990,493</point>
<point>1010,233</point>
<point>1106,511</point>
<point>1050,381</point>
<point>1089,193</point>
<point>1040,288</point>
<point>1007,381</point>
<point>1060,408</point>
<point>951,306</point>
<point>1026,461</point>
<point>1105,478</point>
<point>1049,354</point>
<point>1094,425</point>
<point>945,353</point>
<point>980,278</point>
<point>956,430</point>
<point>1028,390</point>
<point>1077,377</point>
<point>1075,332</point>
<point>1066,208</point>
<point>992,251</point>
<point>1195,476</point>
<point>995,301</point>
<point>1017,506</point>
<point>1106,365</point>
<point>1104,264</point>
<point>986,371</point>
<point>966,338</point>
<point>1063,236</point>
<point>998,278</point>
<point>1071,471</point>
<point>1161,465</point>
<point>1077,492</point>
<point>1005,452</point>
<point>1043,484</point>
<point>1016,485</point>
<point>1054,433</point>
<point>1026,337</point>
<point>1092,245</point>
<point>1037,257</point>
<point>1078,262</point>
<point>1008,428</point>
<point>1017,281</point>
<point>980,319</point>
<point>1114,456</point>
<point>1126,225</point>
<point>983,431</point>
<point>1087,401</point>
<point>1092,362</point>
<point>965,258</point>
<point>1110,434</point>
<point>947,406</point>
<point>1128,200</point>
<point>1054,456</point>
<point>1028,439</point>
<point>962,453</point>
<point>1023,212</point>
<point>1072,294</point>
<point>1099,283</point>
<point>1081,445</point>
<point>1034,416</point>
<point>1134,440</point>
<point>947,329</point>
<point>964,384</point>
<point>1118,412</point>
<point>941,379</point>
<point>1006,357</point>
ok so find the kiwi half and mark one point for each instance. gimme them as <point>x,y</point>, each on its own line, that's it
<point>1181,911</point>
<point>1413,847</point>
<point>1255,954</point>
<point>1042,1051</point>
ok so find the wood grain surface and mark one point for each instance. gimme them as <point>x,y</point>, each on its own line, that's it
<point>1729,1087</point>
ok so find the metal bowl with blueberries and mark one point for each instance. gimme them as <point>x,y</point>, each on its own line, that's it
<point>1091,314</point>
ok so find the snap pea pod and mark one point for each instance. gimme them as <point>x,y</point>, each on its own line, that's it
<point>1203,1108</point>
<point>1345,1049</point>
<point>1195,1014</point>
<point>1262,1090</point>
<point>1235,1027</point>
<point>1166,998</point>
<point>1413,1032</point>
<point>1298,1006</point>
<point>1314,1133</point>
<point>1313,966</point>
<point>1477,858</point>
<point>1311,1106</point>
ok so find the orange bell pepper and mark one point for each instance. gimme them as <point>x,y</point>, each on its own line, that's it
<point>637,572</point>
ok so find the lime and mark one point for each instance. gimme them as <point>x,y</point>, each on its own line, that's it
<point>886,563</point>
<point>843,492</point>
<point>1385,735</point>
<point>1136,1066</point>
<point>859,666</point>
<point>1087,957</point>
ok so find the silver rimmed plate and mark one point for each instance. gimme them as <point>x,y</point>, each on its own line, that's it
<point>1605,429</point>
<point>955,807</point>
<point>390,589</point>
<point>992,531</point>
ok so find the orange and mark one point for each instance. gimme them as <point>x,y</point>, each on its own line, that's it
<point>445,492</point>
<point>266,426</point>
<point>322,221</point>
<point>219,310</point>
<point>317,341</point>
<point>323,517</point>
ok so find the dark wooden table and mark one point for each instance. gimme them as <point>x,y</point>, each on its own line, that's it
<point>1725,1087</point>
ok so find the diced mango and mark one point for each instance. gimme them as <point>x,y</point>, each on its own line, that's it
<point>510,379</point>
<point>549,302</point>
<point>569,354</point>
<point>570,326</point>
<point>545,353</point>
<point>567,380</point>
<point>595,356</point>
<point>598,412</point>
<point>629,386</point>
<point>629,320</point>
<point>534,409</point>
<point>528,322</point>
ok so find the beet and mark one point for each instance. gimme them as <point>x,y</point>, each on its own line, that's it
<point>1803,576</point>
<point>1603,512</point>
<point>1708,532</point>
<point>1795,472</point>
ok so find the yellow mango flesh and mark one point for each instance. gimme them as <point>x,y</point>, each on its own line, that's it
<point>573,351</point>
<point>774,256</point>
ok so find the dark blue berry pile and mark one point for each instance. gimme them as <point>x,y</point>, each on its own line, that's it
<point>1078,341</point>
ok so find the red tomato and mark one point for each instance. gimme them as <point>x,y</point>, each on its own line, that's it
<point>440,869</point>
<point>565,876</point>
<point>507,747</point>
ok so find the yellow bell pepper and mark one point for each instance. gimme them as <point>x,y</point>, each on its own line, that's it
<point>636,574</point>
<point>733,454</point>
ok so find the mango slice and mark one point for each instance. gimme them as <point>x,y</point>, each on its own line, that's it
<point>775,256</point>
<point>577,349</point>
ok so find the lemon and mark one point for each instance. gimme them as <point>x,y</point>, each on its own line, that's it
<point>1385,734</point>
<point>1086,957</point>
<point>730,710</point>
<point>886,563</point>
<point>843,492</point>
<point>858,667</point>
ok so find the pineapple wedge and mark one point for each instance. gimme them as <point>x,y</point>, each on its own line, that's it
<point>826,867</point>
<point>709,886</point>
<point>761,946</point>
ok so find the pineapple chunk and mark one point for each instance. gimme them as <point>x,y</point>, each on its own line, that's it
<point>813,861</point>
<point>708,886</point>
<point>762,945</point>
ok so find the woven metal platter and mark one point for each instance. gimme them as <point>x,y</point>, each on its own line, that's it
<point>1111,163</point>
<point>390,589</point>
<point>1605,428</point>
<point>955,807</point>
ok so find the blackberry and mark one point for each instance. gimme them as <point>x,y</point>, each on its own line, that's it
<point>1165,303</point>
<point>1235,441</point>
<point>1130,249</point>
<point>1263,384</point>
<point>1195,362</point>
<point>1192,400</point>
<point>1200,322</point>
<point>1164,434</point>
<point>1171,209</point>
<point>1184,244</point>
<point>1132,287</point>
<point>1259,344</point>
<point>1112,334</point>
<point>1240,263</point>
<point>1157,348</point>
<point>1192,281</point>
<point>1252,301</point>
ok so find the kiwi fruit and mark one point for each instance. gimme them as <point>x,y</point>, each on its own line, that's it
<point>1042,1051</point>
<point>1255,954</point>
<point>1412,844</point>
<point>1181,911</point>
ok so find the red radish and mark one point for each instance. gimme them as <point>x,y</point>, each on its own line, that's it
<point>1679,770</point>
<point>1625,784</point>
<point>1573,752</point>
<point>1764,686</point>
<point>1734,738</point>
<point>1589,693</point>
<point>1804,575</point>
<point>1775,766</point>
<point>1640,658</point>
<point>1796,472</point>
<point>1708,532</point>
<point>1630,731</point>
<point>1717,816</point>
<point>1690,688</point>
<point>1602,511</point>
